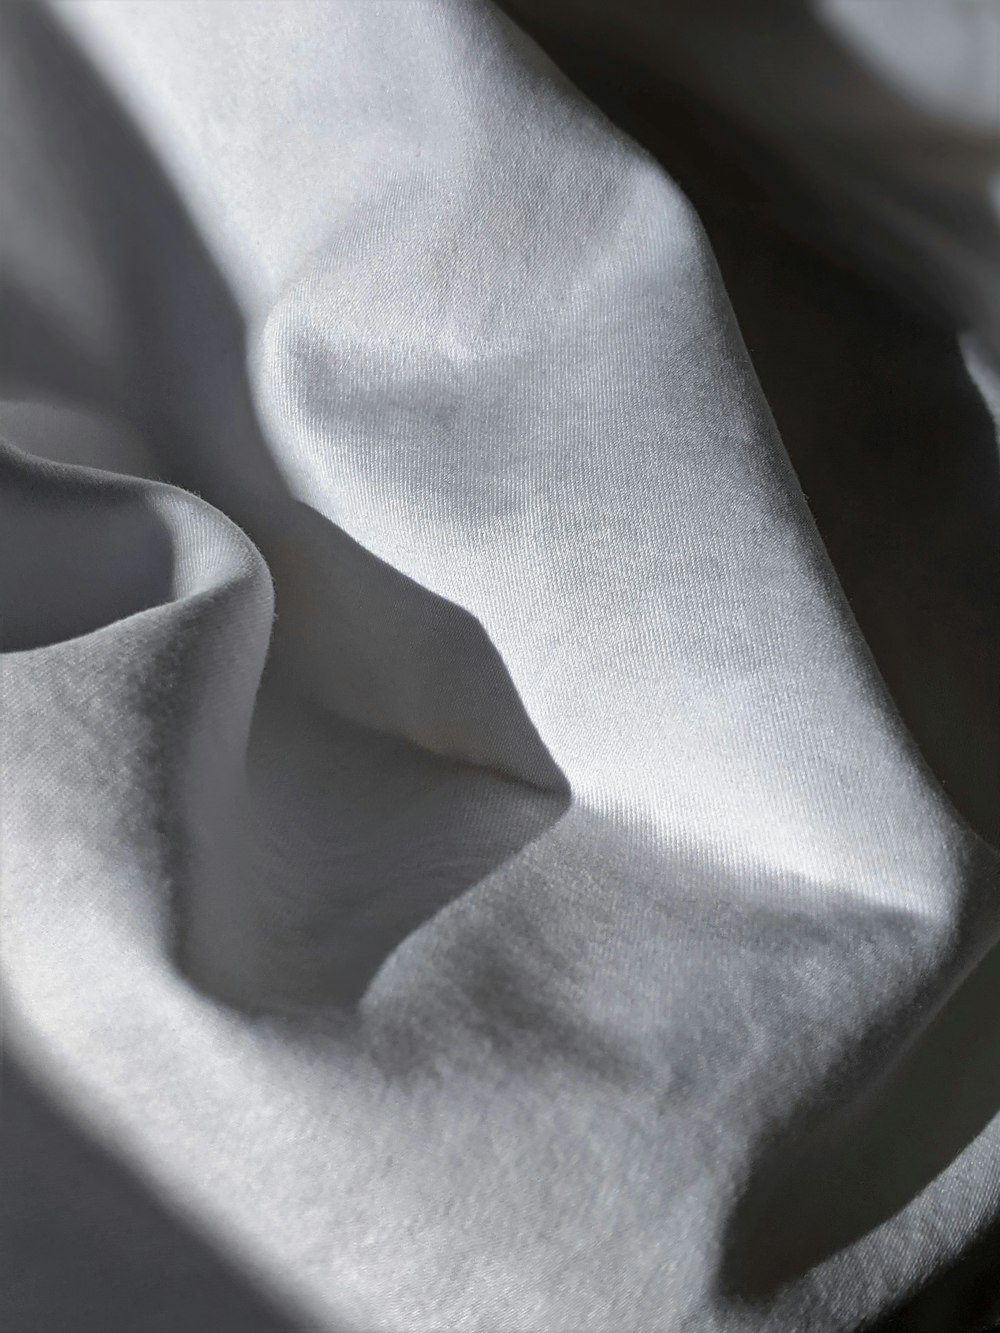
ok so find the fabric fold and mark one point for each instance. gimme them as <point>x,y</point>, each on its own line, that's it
<point>460,849</point>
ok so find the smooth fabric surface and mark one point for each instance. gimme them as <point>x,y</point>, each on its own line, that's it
<point>500,693</point>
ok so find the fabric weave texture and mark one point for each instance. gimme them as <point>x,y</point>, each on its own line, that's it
<point>500,689</point>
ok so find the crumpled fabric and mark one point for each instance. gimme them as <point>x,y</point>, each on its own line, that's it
<point>499,710</point>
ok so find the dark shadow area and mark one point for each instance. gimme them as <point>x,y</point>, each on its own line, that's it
<point>363,832</point>
<point>362,838</point>
<point>965,1297</point>
<point>75,554</point>
<point>373,646</point>
<point>86,1248</point>
<point>41,357</point>
<point>881,1147</point>
<point>899,461</point>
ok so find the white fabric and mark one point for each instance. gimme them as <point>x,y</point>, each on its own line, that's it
<point>458,848</point>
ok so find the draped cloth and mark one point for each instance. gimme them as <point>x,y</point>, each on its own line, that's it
<point>500,691</point>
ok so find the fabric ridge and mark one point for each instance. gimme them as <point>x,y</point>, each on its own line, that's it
<point>500,623</point>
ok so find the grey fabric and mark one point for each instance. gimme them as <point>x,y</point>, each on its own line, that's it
<point>481,847</point>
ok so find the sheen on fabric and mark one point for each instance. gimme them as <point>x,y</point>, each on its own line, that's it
<point>500,689</point>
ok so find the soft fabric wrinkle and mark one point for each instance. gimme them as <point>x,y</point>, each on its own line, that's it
<point>358,839</point>
<point>198,422</point>
<point>383,651</point>
<point>569,929</point>
<point>913,191</point>
<point>692,1071</point>
<point>204,590</point>
<point>361,459</point>
<point>888,437</point>
<point>218,862</point>
<point>424,573</point>
<point>683,1030</point>
<point>869,1158</point>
